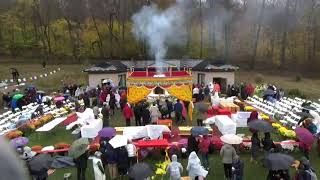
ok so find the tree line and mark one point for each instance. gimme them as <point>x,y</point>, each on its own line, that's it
<point>256,33</point>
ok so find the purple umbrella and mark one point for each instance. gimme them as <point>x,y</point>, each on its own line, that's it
<point>304,135</point>
<point>19,142</point>
<point>107,132</point>
<point>60,98</point>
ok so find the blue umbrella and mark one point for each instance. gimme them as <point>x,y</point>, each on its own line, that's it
<point>196,131</point>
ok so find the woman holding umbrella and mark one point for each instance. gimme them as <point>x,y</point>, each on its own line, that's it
<point>79,152</point>
<point>228,153</point>
<point>255,147</point>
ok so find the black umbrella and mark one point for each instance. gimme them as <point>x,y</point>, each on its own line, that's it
<point>62,162</point>
<point>140,171</point>
<point>40,163</point>
<point>202,107</point>
<point>278,161</point>
<point>260,125</point>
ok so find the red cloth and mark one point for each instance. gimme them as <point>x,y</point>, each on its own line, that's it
<point>127,112</point>
<point>224,112</point>
<point>70,119</point>
<point>217,87</point>
<point>305,146</point>
<point>161,143</point>
<point>204,145</point>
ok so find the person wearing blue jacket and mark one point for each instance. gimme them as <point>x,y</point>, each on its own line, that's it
<point>178,111</point>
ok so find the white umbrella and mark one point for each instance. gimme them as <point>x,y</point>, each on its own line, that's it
<point>231,139</point>
<point>118,141</point>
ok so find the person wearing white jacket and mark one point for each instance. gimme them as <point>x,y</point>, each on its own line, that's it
<point>194,167</point>
<point>99,173</point>
<point>154,113</point>
<point>132,150</point>
<point>175,168</point>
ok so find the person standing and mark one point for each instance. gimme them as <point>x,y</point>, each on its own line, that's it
<point>132,150</point>
<point>154,113</point>
<point>96,111</point>
<point>98,169</point>
<point>228,153</point>
<point>193,144</point>
<point>109,158</point>
<point>169,107</point>
<point>122,161</point>
<point>194,168</point>
<point>81,164</point>
<point>206,92</point>
<point>105,111</point>
<point>204,151</point>
<point>127,113</point>
<point>267,142</point>
<point>145,114</point>
<point>237,168</point>
<point>178,111</point>
<point>195,93</point>
<point>137,114</point>
<point>175,168</point>
<point>255,147</point>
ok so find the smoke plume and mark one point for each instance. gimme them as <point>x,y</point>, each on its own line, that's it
<point>159,28</point>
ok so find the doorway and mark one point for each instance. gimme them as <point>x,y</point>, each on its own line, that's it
<point>223,84</point>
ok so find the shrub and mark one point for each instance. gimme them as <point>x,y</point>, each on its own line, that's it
<point>298,78</point>
<point>296,93</point>
<point>259,78</point>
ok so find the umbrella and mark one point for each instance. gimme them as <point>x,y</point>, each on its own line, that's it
<point>107,132</point>
<point>268,92</point>
<point>60,98</point>
<point>202,107</point>
<point>62,162</point>
<point>17,96</point>
<point>260,125</point>
<point>78,147</point>
<point>231,139</point>
<point>118,141</point>
<point>19,142</point>
<point>304,135</point>
<point>40,163</point>
<point>196,131</point>
<point>140,171</point>
<point>278,161</point>
<point>41,92</point>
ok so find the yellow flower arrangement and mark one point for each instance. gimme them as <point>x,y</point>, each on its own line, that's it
<point>276,125</point>
<point>282,130</point>
<point>290,134</point>
<point>265,117</point>
<point>249,108</point>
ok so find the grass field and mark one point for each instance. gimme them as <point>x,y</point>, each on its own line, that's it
<point>73,74</point>
<point>252,171</point>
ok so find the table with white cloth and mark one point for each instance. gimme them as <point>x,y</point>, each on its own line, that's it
<point>225,124</point>
<point>151,131</point>
<point>91,130</point>
<point>241,118</point>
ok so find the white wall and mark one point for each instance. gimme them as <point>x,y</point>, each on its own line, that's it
<point>210,75</point>
<point>95,79</point>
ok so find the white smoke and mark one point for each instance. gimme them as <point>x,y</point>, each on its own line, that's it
<point>159,27</point>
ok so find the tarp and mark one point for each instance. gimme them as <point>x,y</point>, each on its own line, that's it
<point>49,126</point>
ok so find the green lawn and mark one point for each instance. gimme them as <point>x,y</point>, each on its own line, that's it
<point>252,171</point>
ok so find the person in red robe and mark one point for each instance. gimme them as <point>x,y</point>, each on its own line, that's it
<point>249,90</point>
<point>127,113</point>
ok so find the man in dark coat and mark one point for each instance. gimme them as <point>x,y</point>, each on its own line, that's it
<point>169,108</point>
<point>137,110</point>
<point>192,144</point>
<point>122,161</point>
<point>178,111</point>
<point>105,111</point>
<point>81,164</point>
<point>145,113</point>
